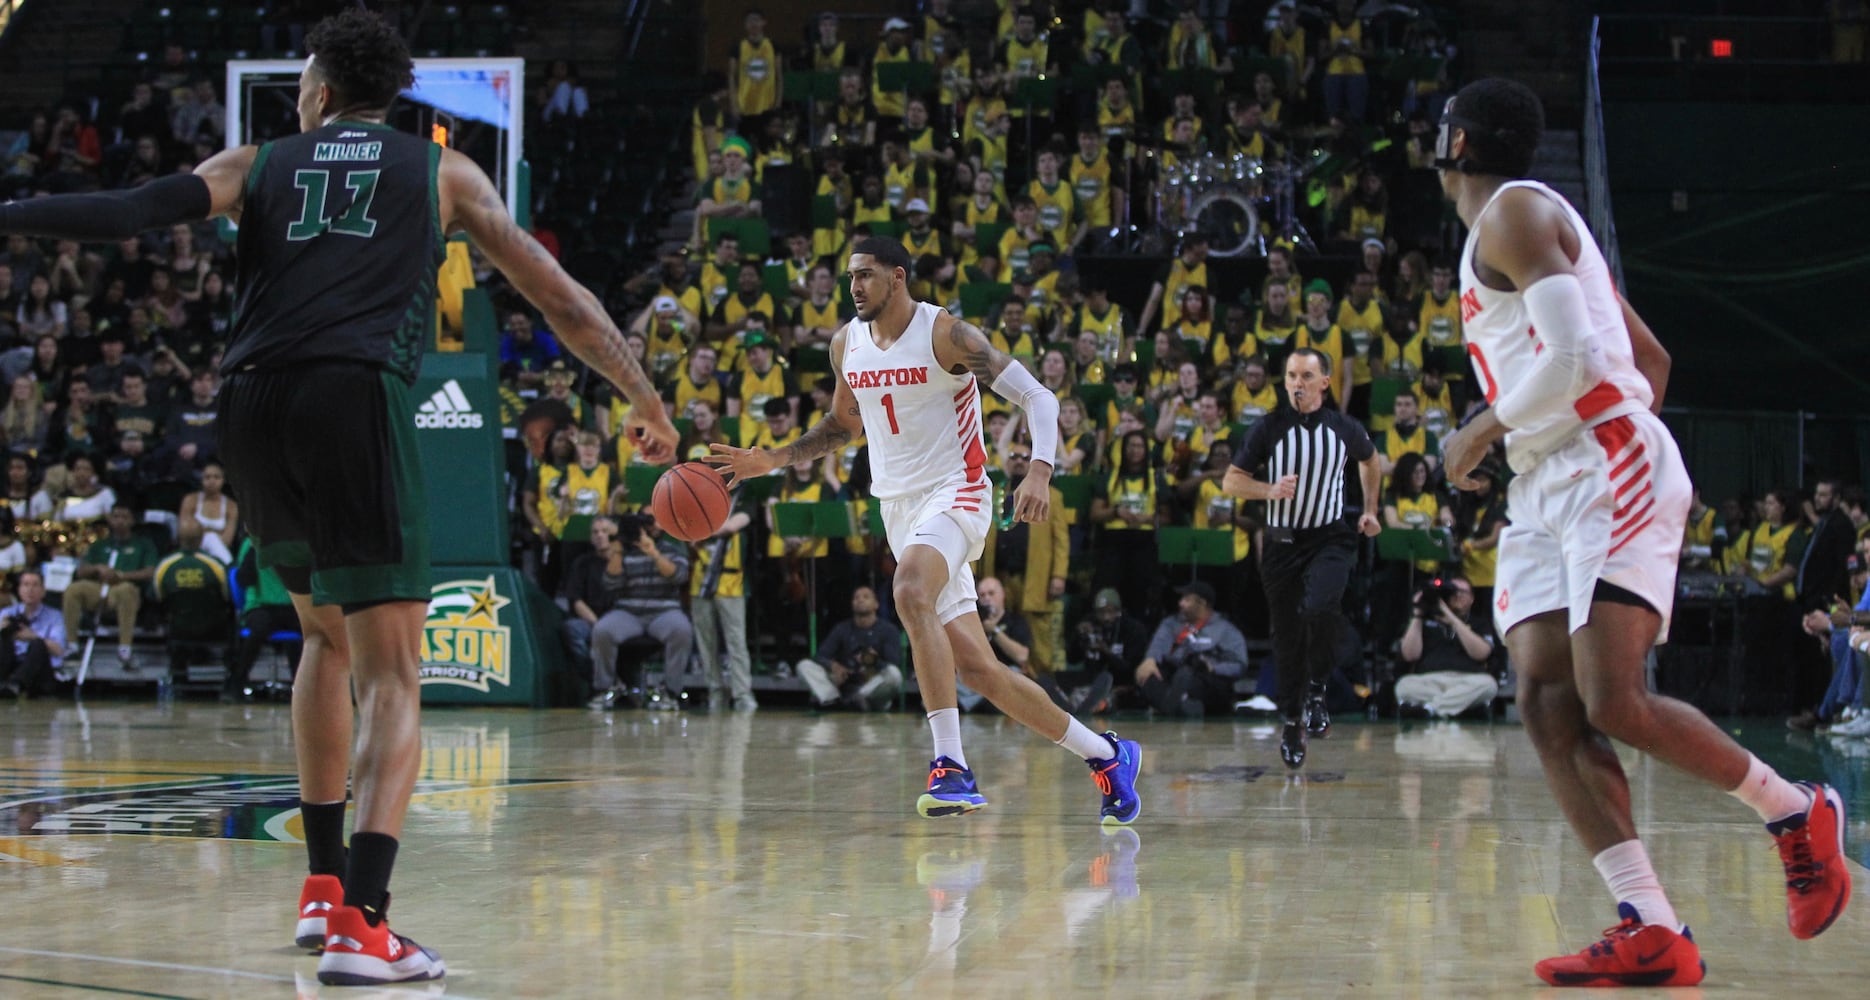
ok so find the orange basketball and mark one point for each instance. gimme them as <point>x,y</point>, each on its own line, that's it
<point>691,501</point>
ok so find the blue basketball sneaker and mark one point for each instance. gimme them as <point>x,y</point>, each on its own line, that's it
<point>951,791</point>
<point>1116,778</point>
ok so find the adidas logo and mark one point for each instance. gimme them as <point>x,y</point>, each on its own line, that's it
<point>449,407</point>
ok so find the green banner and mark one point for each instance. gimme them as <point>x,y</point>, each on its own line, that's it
<point>491,639</point>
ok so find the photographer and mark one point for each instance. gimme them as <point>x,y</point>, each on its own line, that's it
<point>1447,657</point>
<point>32,638</point>
<point>630,586</point>
<point>857,661</point>
<point>1107,644</point>
<point>1202,653</point>
<point>1008,633</point>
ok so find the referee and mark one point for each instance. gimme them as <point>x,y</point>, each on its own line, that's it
<point>1310,546</point>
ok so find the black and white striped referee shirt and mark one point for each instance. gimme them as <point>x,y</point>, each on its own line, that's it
<point>1313,446</point>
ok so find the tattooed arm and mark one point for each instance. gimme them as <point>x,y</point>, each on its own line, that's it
<point>839,427</point>
<point>470,204</point>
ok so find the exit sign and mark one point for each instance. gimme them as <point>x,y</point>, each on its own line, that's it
<point>1721,48</point>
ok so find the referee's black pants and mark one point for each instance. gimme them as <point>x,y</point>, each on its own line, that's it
<point>1305,580</point>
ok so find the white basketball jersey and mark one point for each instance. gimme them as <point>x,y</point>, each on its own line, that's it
<point>1504,346</point>
<point>922,423</point>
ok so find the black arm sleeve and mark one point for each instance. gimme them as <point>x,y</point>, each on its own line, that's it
<point>107,216</point>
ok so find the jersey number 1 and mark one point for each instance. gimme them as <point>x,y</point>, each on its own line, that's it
<point>313,221</point>
<point>889,410</point>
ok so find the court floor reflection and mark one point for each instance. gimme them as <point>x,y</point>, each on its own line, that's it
<point>565,854</point>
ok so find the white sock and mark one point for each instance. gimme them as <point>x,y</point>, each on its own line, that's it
<point>1079,739</point>
<point>945,723</point>
<point>1773,797</point>
<point>1627,872</point>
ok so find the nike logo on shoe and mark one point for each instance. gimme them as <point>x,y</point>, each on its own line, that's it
<point>1651,959</point>
<point>315,906</point>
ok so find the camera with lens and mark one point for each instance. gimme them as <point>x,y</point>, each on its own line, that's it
<point>630,527</point>
<point>1433,594</point>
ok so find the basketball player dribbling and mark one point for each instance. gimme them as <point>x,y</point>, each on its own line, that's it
<point>1586,576</point>
<point>908,378</point>
<point>341,233</point>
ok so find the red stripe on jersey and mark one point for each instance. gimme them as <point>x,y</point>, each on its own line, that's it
<point>1600,398</point>
<point>1633,480</point>
<point>965,507</point>
<point>1625,509</point>
<point>1613,435</point>
<point>1641,515</point>
<point>974,489</point>
<point>975,456</point>
<point>959,396</point>
<point>1635,453</point>
<point>1633,534</point>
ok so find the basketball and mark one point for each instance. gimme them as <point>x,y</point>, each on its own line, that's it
<point>691,501</point>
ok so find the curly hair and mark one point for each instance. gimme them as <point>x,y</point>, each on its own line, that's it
<point>1503,119</point>
<point>364,60</point>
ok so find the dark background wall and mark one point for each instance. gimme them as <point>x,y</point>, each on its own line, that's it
<point>1758,285</point>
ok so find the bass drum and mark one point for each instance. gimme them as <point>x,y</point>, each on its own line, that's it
<point>1229,218</point>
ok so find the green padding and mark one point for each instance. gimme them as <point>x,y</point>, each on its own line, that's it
<point>1177,545</point>
<point>810,361</point>
<point>1453,360</point>
<point>1409,544</point>
<point>759,488</point>
<point>577,528</point>
<point>806,85</point>
<point>730,429</point>
<point>885,227</point>
<point>639,481</point>
<point>978,298</point>
<point>1075,489</point>
<point>913,77</point>
<point>491,638</point>
<point>756,240</point>
<point>1405,66</point>
<point>1034,92</point>
<point>1383,393</point>
<point>987,238</point>
<point>778,281</point>
<point>827,519</point>
<point>1096,398</point>
<point>824,211</point>
<point>1145,362</point>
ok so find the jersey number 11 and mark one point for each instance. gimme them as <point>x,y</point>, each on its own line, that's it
<point>353,217</point>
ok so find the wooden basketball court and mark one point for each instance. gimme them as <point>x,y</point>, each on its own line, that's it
<point>149,851</point>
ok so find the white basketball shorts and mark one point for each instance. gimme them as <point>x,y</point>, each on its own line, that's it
<point>953,519</point>
<point>1610,505</point>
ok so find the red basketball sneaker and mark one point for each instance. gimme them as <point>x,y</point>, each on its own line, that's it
<point>321,895</point>
<point>357,954</point>
<point>1631,954</point>
<point>1818,882</point>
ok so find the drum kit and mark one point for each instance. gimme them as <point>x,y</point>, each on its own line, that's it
<point>1225,197</point>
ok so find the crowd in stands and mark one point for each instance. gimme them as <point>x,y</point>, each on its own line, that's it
<point>1022,155</point>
